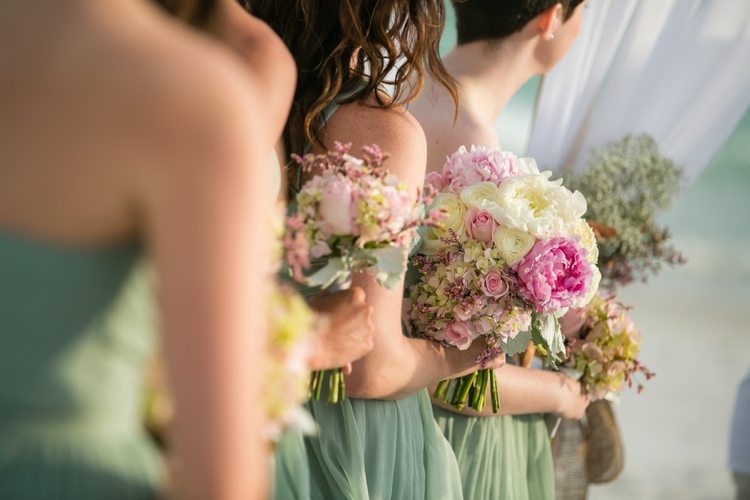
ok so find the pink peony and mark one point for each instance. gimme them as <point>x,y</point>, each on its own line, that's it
<point>466,168</point>
<point>554,274</point>
<point>337,208</point>
<point>480,225</point>
<point>493,283</point>
<point>457,334</point>
<point>436,180</point>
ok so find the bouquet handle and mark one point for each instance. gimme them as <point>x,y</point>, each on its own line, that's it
<point>528,356</point>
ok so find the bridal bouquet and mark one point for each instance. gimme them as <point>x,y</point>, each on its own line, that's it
<point>512,255</point>
<point>291,327</point>
<point>603,351</point>
<point>358,217</point>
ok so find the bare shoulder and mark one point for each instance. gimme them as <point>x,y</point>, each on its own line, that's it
<point>395,130</point>
<point>260,47</point>
<point>190,93</point>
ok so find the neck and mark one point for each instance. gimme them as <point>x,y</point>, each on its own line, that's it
<point>489,73</point>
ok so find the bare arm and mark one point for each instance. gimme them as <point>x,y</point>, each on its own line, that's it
<point>397,366</point>
<point>206,220</point>
<point>523,391</point>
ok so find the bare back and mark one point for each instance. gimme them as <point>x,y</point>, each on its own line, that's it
<point>91,101</point>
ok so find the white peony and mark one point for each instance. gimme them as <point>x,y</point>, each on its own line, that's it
<point>588,240</point>
<point>482,196</point>
<point>538,206</point>
<point>454,220</point>
<point>526,166</point>
<point>512,244</point>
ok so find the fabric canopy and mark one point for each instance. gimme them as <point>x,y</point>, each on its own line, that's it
<point>676,69</point>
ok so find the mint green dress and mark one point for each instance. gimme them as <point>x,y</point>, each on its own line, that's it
<point>506,457</point>
<point>71,365</point>
<point>375,450</point>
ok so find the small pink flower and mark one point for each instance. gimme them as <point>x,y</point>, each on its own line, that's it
<point>493,283</point>
<point>457,334</point>
<point>337,207</point>
<point>436,180</point>
<point>480,225</point>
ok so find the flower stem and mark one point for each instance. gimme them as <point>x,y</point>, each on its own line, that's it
<point>319,385</point>
<point>439,389</point>
<point>474,404</point>
<point>342,388</point>
<point>495,397</point>
<point>333,386</point>
<point>464,392</point>
<point>483,389</point>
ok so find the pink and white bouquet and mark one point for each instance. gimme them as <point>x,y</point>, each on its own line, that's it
<point>511,255</point>
<point>357,217</point>
<point>602,345</point>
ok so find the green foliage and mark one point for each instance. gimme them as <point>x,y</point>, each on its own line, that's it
<point>626,186</point>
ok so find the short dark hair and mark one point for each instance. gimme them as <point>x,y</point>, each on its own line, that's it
<point>497,19</point>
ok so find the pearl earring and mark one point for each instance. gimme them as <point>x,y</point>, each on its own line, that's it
<point>551,36</point>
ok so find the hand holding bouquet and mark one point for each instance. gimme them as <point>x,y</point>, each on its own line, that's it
<point>511,255</point>
<point>357,216</point>
<point>603,352</point>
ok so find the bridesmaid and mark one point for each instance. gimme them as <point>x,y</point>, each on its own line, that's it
<point>507,456</point>
<point>381,442</point>
<point>124,134</point>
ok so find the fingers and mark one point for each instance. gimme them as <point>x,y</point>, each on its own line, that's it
<point>347,369</point>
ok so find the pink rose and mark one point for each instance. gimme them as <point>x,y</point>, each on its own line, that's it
<point>493,283</point>
<point>457,334</point>
<point>572,321</point>
<point>337,207</point>
<point>480,225</point>
<point>436,180</point>
<point>554,274</point>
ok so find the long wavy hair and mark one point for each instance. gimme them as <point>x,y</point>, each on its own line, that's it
<point>340,45</point>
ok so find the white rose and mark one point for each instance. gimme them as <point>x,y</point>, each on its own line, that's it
<point>588,240</point>
<point>482,196</point>
<point>512,244</point>
<point>454,220</point>
<point>536,205</point>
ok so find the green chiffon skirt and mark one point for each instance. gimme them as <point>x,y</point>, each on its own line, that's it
<point>500,458</point>
<point>380,450</point>
<point>291,470</point>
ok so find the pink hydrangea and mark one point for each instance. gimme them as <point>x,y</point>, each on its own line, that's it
<point>466,168</point>
<point>554,274</point>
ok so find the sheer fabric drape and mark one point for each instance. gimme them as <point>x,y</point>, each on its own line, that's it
<point>676,69</point>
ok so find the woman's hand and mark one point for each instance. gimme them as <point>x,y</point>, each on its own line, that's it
<point>572,399</point>
<point>349,334</point>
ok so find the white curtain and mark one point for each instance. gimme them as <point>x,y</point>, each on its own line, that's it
<point>676,69</point>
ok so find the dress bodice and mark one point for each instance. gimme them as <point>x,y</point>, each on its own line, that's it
<point>72,348</point>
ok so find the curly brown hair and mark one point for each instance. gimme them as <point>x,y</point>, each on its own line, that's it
<point>339,45</point>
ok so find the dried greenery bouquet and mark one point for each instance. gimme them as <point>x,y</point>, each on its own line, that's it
<point>627,185</point>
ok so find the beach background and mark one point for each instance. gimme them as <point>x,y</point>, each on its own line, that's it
<point>695,321</point>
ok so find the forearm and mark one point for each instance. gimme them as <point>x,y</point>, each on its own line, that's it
<point>399,367</point>
<point>523,391</point>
